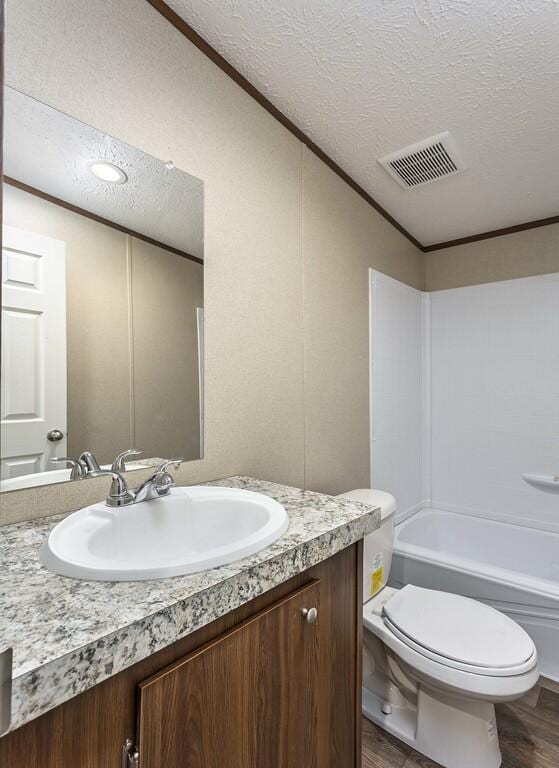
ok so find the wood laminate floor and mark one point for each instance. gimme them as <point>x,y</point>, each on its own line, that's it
<point>528,732</point>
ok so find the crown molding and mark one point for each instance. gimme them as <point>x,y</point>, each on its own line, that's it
<point>197,40</point>
<point>184,28</point>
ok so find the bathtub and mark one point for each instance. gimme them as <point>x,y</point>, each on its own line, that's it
<point>511,567</point>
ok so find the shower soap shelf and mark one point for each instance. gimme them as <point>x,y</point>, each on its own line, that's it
<point>547,483</point>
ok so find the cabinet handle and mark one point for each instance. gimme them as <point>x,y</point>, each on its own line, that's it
<point>130,755</point>
<point>310,615</point>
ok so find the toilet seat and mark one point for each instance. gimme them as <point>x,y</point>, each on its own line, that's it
<point>459,632</point>
<point>489,683</point>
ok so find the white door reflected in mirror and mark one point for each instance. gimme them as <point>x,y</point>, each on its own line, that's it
<point>33,352</point>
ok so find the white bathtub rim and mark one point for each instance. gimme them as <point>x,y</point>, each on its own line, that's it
<point>485,514</point>
<point>506,606</point>
<point>477,569</point>
<point>498,576</point>
<point>520,609</point>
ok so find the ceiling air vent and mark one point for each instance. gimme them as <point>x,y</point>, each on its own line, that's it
<point>424,162</point>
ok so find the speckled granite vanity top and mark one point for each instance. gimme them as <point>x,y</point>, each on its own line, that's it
<point>68,635</point>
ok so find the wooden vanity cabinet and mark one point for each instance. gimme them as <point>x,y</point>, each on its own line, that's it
<point>262,687</point>
<point>247,698</point>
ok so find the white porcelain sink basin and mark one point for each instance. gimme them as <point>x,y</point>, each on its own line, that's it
<point>192,529</point>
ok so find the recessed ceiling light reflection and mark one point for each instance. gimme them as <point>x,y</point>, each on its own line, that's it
<point>108,172</point>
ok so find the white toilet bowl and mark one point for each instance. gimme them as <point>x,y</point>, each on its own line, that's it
<point>435,663</point>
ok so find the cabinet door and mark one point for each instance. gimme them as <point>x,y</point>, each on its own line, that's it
<point>245,700</point>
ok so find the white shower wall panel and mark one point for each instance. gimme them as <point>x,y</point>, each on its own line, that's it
<point>397,391</point>
<point>494,368</point>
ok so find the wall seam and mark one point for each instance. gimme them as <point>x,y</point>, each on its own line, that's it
<point>131,361</point>
<point>303,315</point>
<point>426,399</point>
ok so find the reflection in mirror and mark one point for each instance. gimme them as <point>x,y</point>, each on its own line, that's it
<point>102,300</point>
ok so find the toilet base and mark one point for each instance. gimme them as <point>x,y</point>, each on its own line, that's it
<point>457,733</point>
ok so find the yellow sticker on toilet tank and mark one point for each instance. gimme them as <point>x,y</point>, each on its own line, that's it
<point>376,581</point>
<point>377,574</point>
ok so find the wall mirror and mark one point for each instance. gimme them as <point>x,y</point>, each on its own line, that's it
<point>102,299</point>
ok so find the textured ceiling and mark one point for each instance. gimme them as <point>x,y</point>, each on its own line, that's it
<point>363,78</point>
<point>51,151</point>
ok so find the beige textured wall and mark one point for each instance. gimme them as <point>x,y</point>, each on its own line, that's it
<point>341,241</point>
<point>166,290</point>
<point>258,346</point>
<point>532,252</point>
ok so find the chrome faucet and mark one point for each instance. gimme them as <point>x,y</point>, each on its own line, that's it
<point>120,495</point>
<point>82,467</point>
<point>159,484</point>
<point>86,465</point>
<point>89,462</point>
<point>78,470</point>
<point>155,487</point>
<point>119,464</point>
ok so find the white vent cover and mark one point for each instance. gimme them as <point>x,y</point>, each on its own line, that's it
<point>424,162</point>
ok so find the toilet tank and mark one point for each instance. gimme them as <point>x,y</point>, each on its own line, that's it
<point>377,546</point>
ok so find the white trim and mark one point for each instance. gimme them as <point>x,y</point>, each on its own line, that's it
<point>201,367</point>
<point>372,291</point>
<point>131,350</point>
<point>426,396</point>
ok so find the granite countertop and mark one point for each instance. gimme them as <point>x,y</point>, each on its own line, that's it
<point>68,635</point>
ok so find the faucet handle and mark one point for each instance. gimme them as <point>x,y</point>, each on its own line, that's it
<point>161,479</point>
<point>78,470</point>
<point>89,462</point>
<point>119,495</point>
<point>167,463</point>
<point>119,464</point>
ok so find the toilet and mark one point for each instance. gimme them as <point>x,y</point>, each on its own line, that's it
<point>435,663</point>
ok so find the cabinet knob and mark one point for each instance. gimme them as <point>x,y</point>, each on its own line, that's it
<point>310,615</point>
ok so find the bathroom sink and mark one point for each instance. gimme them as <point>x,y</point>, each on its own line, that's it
<point>191,529</point>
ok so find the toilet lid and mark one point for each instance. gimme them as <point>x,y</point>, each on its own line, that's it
<point>458,631</point>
